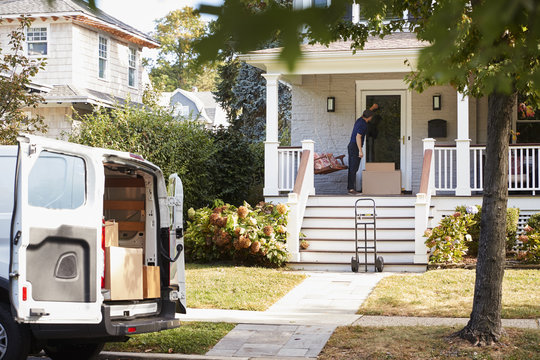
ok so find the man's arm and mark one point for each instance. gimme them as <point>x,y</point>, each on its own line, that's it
<point>359,144</point>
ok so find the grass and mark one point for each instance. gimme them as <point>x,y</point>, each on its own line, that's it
<point>189,338</point>
<point>449,293</point>
<point>237,287</point>
<point>354,342</point>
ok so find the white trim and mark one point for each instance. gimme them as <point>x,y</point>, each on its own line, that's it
<point>392,87</point>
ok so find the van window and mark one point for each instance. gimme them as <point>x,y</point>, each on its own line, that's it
<point>57,181</point>
<point>7,164</point>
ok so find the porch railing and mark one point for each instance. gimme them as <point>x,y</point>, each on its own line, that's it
<point>523,169</point>
<point>288,164</point>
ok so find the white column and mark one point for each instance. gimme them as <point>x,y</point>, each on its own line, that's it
<point>272,142</point>
<point>293,227</point>
<point>463,169</point>
<point>421,217</point>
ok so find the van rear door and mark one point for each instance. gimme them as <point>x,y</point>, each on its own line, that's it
<point>176,238</point>
<point>56,230</point>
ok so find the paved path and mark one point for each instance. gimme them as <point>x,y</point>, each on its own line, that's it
<point>300,324</point>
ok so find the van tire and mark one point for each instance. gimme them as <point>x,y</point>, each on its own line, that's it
<point>65,351</point>
<point>14,337</point>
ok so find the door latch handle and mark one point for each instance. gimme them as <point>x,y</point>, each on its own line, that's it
<point>403,139</point>
<point>17,237</point>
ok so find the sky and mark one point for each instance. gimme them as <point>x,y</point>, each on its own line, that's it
<point>141,13</point>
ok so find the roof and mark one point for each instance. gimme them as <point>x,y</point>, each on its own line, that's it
<point>70,93</point>
<point>404,40</point>
<point>79,11</point>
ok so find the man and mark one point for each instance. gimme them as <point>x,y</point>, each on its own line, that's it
<point>355,146</point>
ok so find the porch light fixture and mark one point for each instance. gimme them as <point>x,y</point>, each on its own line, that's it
<point>437,102</point>
<point>330,104</point>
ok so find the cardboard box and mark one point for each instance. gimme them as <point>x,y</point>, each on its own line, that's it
<point>111,233</point>
<point>381,179</point>
<point>380,166</point>
<point>123,273</point>
<point>151,284</point>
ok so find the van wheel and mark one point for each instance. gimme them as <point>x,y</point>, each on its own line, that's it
<point>64,351</point>
<point>14,338</point>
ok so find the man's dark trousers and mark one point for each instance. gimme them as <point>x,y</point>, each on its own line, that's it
<point>354,164</point>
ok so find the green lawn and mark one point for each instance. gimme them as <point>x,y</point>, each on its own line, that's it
<point>189,338</point>
<point>419,343</point>
<point>237,287</point>
<point>449,293</point>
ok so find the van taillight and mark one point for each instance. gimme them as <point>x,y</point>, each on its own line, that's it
<point>103,249</point>
<point>24,293</point>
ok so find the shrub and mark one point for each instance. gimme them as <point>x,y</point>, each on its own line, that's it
<point>529,249</point>
<point>449,239</point>
<point>512,217</point>
<point>246,235</point>
<point>534,221</point>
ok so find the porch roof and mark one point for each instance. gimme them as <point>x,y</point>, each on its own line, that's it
<point>379,55</point>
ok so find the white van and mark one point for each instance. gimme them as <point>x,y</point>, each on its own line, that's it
<point>54,199</point>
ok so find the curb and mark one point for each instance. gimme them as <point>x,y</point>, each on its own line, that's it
<point>110,355</point>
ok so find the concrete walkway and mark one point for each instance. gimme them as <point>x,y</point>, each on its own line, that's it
<point>300,324</point>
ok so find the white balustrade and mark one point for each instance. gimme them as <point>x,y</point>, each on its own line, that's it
<point>288,163</point>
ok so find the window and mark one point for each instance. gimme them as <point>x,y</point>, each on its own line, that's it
<point>132,67</point>
<point>36,39</point>
<point>184,110</point>
<point>528,122</point>
<point>57,181</point>
<point>103,55</point>
<point>320,3</point>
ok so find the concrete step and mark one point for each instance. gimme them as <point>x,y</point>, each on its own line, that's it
<point>346,222</point>
<point>348,245</point>
<point>348,200</point>
<point>348,233</point>
<point>406,257</point>
<point>346,266</point>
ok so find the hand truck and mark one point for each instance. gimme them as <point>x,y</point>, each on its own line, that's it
<point>366,219</point>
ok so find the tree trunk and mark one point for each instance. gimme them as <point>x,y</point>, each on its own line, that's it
<point>484,327</point>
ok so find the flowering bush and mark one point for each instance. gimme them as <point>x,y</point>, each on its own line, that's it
<point>512,217</point>
<point>246,235</point>
<point>449,239</point>
<point>529,249</point>
<point>534,221</point>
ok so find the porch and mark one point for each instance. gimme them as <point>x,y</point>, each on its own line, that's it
<point>327,221</point>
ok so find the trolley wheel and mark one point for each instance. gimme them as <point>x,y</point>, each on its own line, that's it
<point>354,265</point>
<point>379,264</point>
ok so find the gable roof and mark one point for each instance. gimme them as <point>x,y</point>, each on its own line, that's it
<point>80,12</point>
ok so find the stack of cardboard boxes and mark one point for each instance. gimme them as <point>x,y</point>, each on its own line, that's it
<point>125,276</point>
<point>381,179</point>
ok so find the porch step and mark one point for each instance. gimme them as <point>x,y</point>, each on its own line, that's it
<point>346,221</point>
<point>328,256</point>
<point>406,233</point>
<point>346,266</point>
<point>396,245</point>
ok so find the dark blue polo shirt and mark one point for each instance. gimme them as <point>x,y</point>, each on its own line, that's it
<point>360,127</point>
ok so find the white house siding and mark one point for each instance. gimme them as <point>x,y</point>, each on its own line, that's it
<point>331,131</point>
<point>58,119</point>
<point>85,55</point>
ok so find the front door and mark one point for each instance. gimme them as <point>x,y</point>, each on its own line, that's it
<point>387,139</point>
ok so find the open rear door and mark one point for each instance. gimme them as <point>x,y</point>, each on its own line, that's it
<point>176,207</point>
<point>56,233</point>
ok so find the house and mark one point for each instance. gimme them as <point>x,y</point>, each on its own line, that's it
<point>196,105</point>
<point>435,139</point>
<point>92,58</point>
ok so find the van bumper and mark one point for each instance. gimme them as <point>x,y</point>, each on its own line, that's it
<point>110,329</point>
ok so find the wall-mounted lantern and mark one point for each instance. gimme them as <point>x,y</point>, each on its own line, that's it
<point>330,104</point>
<point>437,102</point>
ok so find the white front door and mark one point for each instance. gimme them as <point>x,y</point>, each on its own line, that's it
<point>389,135</point>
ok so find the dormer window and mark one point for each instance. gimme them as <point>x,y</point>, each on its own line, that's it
<point>103,56</point>
<point>36,38</point>
<point>320,3</point>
